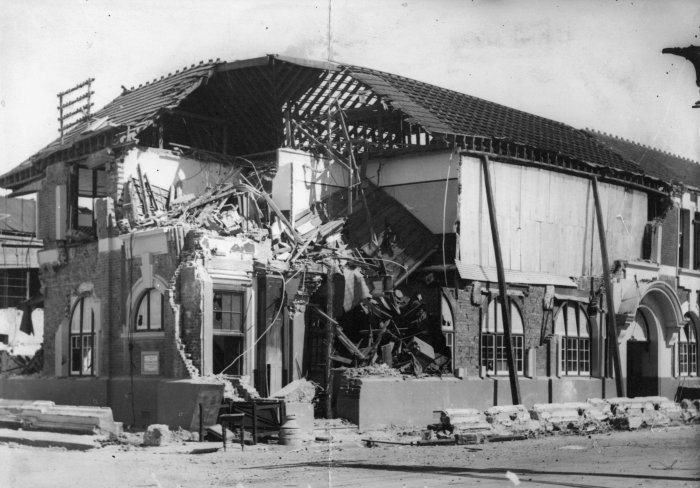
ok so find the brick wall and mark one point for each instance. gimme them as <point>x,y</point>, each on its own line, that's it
<point>56,174</point>
<point>84,264</point>
<point>191,294</point>
<point>468,326</point>
<point>669,238</point>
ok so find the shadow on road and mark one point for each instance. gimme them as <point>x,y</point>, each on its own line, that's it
<point>484,473</point>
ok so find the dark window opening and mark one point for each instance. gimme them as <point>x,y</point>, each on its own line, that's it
<point>82,339</point>
<point>86,186</point>
<point>696,241</point>
<point>15,286</point>
<point>226,349</point>
<point>228,333</point>
<point>684,239</point>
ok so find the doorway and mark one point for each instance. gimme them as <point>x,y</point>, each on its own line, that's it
<point>639,383</point>
<point>642,367</point>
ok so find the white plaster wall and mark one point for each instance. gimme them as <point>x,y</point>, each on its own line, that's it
<point>165,169</point>
<point>19,342</point>
<point>546,220</point>
<point>303,179</point>
<point>422,183</point>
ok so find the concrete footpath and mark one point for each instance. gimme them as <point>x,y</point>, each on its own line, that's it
<point>50,439</point>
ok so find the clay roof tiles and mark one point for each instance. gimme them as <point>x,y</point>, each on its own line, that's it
<point>657,163</point>
<point>447,111</point>
<point>438,110</point>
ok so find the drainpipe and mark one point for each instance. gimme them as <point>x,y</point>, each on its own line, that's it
<point>612,325</point>
<point>505,299</point>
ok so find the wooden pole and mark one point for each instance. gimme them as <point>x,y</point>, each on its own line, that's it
<point>612,326</point>
<point>330,335</point>
<point>505,302</point>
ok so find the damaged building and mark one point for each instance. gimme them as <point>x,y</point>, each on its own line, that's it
<point>275,218</point>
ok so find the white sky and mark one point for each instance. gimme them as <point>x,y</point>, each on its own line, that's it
<point>588,63</point>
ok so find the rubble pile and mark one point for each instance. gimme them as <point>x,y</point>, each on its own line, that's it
<point>157,435</point>
<point>466,424</point>
<point>513,422</point>
<point>300,390</point>
<point>388,335</point>
<point>690,411</point>
<point>573,416</point>
<point>512,419</point>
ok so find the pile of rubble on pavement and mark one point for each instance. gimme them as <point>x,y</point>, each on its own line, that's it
<point>512,422</point>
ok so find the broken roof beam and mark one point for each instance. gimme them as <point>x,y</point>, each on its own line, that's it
<point>344,340</point>
<point>330,151</point>
<point>199,117</point>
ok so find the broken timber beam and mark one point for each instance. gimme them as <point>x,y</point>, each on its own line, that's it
<point>612,326</point>
<point>144,199</point>
<point>344,340</point>
<point>505,299</point>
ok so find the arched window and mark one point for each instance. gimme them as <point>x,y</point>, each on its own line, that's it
<point>688,350</point>
<point>573,326</point>
<point>149,313</point>
<point>493,346</point>
<point>82,339</point>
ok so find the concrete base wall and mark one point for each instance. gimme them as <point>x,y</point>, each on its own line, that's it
<point>670,387</point>
<point>62,391</point>
<point>171,402</point>
<point>377,402</point>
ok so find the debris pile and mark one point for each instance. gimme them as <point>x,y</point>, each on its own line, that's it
<point>466,424</point>
<point>690,411</point>
<point>157,435</point>
<point>572,416</point>
<point>516,422</point>
<point>330,245</point>
<point>300,390</point>
<point>391,334</point>
<point>510,419</point>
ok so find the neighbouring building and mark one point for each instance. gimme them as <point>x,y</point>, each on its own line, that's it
<point>215,221</point>
<point>21,304</point>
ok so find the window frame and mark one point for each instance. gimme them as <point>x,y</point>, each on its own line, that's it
<point>81,304</point>
<point>688,350</point>
<point>492,342</point>
<point>241,313</point>
<point>577,345</point>
<point>146,295</point>
<point>239,335</point>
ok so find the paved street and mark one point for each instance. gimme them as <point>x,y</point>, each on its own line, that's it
<point>660,458</point>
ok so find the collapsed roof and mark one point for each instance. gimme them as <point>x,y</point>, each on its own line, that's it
<point>260,104</point>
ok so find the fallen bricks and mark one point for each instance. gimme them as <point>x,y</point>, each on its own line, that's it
<point>512,419</point>
<point>690,411</point>
<point>575,416</point>
<point>514,422</point>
